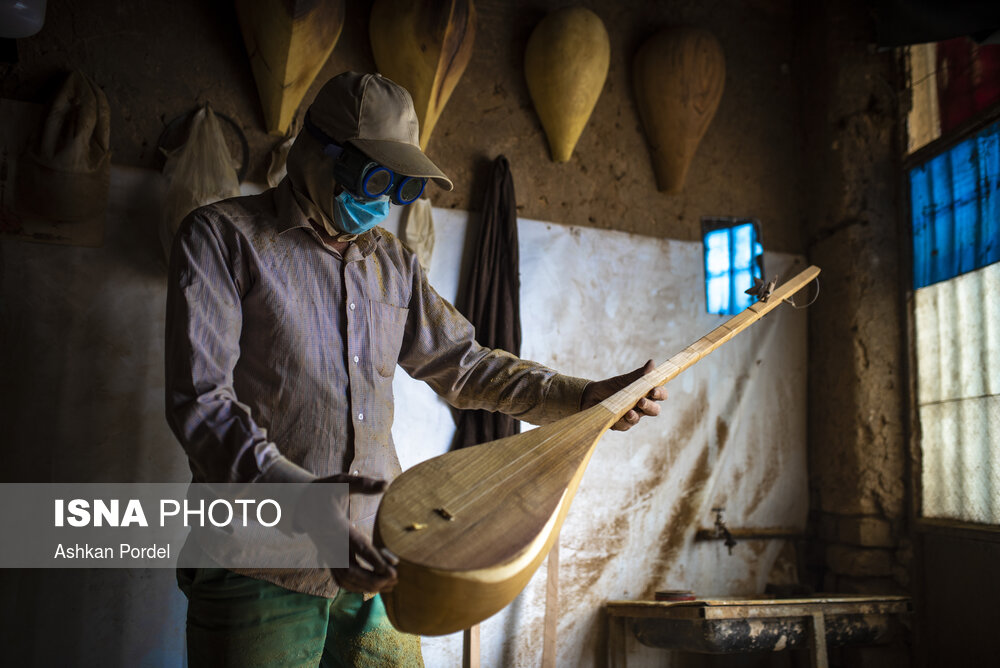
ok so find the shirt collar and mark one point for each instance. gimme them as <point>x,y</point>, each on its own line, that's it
<point>291,216</point>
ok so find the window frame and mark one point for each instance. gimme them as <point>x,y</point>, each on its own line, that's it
<point>940,526</point>
<point>712,224</point>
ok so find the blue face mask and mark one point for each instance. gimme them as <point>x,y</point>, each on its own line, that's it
<point>355,216</point>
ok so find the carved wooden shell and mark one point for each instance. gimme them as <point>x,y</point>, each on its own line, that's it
<point>679,74</point>
<point>288,42</point>
<point>423,46</point>
<point>566,63</point>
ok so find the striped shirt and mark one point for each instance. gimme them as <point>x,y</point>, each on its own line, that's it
<point>280,353</point>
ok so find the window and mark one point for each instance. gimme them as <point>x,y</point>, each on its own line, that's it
<point>955,209</point>
<point>955,223</point>
<point>733,258</point>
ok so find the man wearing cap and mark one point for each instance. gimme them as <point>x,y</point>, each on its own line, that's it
<point>287,314</point>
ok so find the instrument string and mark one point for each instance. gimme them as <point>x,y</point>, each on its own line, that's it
<point>459,503</point>
<point>614,403</point>
<point>459,506</point>
<point>617,402</point>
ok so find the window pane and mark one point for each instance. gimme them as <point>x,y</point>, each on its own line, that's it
<point>957,325</point>
<point>956,209</point>
<point>743,243</point>
<point>733,257</point>
<point>718,295</point>
<point>961,478</point>
<point>967,77</point>
<point>923,123</point>
<point>949,83</point>
<point>717,253</point>
<point>742,281</point>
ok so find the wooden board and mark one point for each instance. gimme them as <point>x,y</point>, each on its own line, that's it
<point>740,608</point>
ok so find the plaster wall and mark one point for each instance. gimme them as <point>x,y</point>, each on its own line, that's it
<point>157,59</point>
<point>858,462</point>
<point>81,353</point>
<point>859,469</point>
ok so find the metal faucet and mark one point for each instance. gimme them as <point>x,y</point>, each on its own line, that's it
<point>722,531</point>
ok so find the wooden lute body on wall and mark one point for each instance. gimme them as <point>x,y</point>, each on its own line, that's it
<point>470,527</point>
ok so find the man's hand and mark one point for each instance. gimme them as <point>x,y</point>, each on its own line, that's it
<point>598,391</point>
<point>369,571</point>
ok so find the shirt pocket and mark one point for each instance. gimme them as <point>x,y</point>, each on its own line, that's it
<point>388,323</point>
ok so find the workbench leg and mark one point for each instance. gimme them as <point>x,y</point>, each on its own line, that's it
<point>550,626</point>
<point>470,647</point>
<point>617,654</point>
<point>817,641</point>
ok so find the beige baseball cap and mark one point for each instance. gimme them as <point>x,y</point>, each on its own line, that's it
<point>376,115</point>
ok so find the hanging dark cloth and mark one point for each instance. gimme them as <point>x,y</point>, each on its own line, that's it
<point>491,300</point>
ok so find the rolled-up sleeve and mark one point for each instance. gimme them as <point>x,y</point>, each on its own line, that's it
<point>202,346</point>
<point>439,347</point>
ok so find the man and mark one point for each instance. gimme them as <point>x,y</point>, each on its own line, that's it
<point>287,314</point>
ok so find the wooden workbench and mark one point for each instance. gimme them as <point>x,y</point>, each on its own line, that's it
<point>732,625</point>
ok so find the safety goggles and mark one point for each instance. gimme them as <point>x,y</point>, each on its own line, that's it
<point>364,178</point>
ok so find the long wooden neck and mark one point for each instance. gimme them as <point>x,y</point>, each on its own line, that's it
<point>625,399</point>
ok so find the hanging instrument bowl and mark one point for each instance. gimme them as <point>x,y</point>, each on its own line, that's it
<point>678,76</point>
<point>566,64</point>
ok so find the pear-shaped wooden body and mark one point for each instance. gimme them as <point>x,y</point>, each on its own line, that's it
<point>424,47</point>
<point>471,526</point>
<point>288,42</point>
<point>679,75</point>
<point>566,63</point>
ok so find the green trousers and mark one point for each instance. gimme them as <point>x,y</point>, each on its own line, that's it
<point>239,622</point>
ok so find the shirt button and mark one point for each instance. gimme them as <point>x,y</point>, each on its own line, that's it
<point>352,306</point>
<point>356,472</point>
<point>355,359</point>
<point>361,416</point>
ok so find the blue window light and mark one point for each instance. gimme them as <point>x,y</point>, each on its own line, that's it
<point>733,258</point>
<point>955,209</point>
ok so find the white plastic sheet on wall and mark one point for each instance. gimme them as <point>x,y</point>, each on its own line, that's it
<point>596,303</point>
<point>83,335</point>
<point>957,325</point>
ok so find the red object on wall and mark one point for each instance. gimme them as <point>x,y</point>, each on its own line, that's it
<point>968,80</point>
